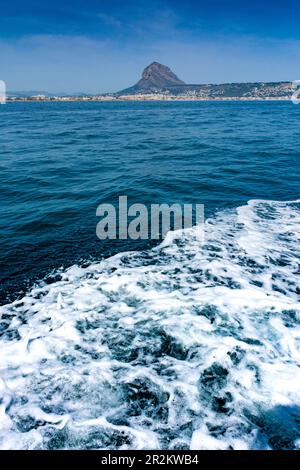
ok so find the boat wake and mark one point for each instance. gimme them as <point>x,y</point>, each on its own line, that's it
<point>185,346</point>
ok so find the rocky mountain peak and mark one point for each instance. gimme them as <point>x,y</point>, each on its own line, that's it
<point>156,76</point>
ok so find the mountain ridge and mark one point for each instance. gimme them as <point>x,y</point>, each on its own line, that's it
<point>158,78</point>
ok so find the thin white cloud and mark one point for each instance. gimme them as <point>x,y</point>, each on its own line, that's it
<point>109,20</point>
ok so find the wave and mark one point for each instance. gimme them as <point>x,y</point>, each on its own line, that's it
<point>190,345</point>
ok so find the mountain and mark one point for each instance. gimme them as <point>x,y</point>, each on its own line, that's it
<point>158,78</point>
<point>154,77</point>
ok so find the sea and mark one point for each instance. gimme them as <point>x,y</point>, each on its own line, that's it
<point>182,343</point>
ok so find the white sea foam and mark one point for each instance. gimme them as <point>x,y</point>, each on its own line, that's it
<point>188,345</point>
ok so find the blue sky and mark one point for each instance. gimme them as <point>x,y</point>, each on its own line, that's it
<point>99,46</point>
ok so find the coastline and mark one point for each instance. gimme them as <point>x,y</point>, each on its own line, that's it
<point>142,98</point>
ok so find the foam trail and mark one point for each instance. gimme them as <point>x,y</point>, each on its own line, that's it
<point>187,345</point>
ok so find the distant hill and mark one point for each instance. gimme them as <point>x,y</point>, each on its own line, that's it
<point>158,78</point>
<point>22,94</point>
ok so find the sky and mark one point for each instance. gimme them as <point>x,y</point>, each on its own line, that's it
<point>97,46</point>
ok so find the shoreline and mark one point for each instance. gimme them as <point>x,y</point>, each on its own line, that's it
<point>140,98</point>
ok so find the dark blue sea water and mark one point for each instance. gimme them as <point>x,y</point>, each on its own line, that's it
<point>59,161</point>
<point>180,345</point>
